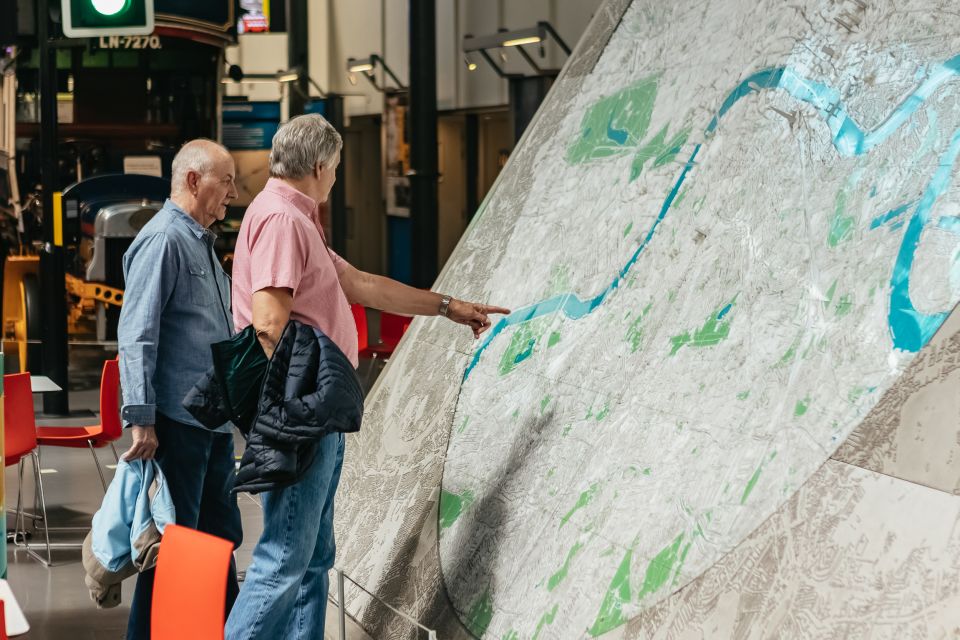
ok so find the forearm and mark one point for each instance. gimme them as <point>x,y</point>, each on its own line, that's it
<point>391,296</point>
<point>137,366</point>
<point>269,337</point>
<point>138,333</point>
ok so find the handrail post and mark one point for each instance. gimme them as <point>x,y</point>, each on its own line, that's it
<point>343,608</point>
<point>342,577</point>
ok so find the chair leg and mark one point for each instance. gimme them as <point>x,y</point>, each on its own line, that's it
<point>21,514</point>
<point>370,369</point>
<point>19,523</point>
<point>42,517</point>
<point>96,461</point>
<point>35,516</point>
<point>115,456</point>
<point>43,508</point>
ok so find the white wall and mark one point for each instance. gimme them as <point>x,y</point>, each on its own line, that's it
<point>318,13</point>
<point>340,29</point>
<point>258,53</point>
<point>397,36</point>
<point>354,29</point>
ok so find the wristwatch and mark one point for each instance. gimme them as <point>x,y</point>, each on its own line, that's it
<point>445,306</point>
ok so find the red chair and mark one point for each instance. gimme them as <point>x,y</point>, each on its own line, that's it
<point>190,586</point>
<point>19,441</point>
<point>392,328</point>
<point>363,337</point>
<point>360,319</point>
<point>19,432</point>
<point>96,436</point>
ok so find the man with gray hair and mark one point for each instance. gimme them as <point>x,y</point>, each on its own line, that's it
<point>283,270</point>
<point>177,303</point>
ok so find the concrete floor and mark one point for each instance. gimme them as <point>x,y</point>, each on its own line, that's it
<point>55,600</point>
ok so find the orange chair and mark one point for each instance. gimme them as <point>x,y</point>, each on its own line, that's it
<point>19,441</point>
<point>190,586</point>
<point>96,436</point>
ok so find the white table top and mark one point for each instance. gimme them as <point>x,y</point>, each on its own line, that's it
<point>16,623</point>
<point>43,384</point>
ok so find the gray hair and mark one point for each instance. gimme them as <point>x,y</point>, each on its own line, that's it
<point>301,144</point>
<point>196,155</point>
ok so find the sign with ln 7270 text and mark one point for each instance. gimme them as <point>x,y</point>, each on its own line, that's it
<point>130,42</point>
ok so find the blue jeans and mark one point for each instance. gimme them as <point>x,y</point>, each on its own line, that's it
<point>198,466</point>
<point>285,592</point>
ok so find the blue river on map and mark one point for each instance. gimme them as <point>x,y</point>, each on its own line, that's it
<point>910,329</point>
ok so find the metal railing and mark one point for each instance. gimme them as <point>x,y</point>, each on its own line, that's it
<point>342,577</point>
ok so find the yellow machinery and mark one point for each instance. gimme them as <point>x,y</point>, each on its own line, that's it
<point>21,315</point>
<point>20,292</point>
<point>105,214</point>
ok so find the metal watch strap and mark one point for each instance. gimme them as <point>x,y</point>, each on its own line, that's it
<point>445,306</point>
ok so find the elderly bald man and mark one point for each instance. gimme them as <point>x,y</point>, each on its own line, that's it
<point>177,302</point>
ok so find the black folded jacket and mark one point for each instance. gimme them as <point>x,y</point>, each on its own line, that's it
<point>239,365</point>
<point>283,406</point>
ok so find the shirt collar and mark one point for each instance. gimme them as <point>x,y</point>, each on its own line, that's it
<point>195,227</point>
<point>301,201</point>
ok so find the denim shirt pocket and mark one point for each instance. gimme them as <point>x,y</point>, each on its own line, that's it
<point>200,289</point>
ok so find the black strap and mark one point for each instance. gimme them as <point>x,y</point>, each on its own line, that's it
<point>216,282</point>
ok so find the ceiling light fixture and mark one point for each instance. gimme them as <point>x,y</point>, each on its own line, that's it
<point>516,42</point>
<point>513,39</point>
<point>360,68</point>
<point>235,74</point>
<point>368,66</point>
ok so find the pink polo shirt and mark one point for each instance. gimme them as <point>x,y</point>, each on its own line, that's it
<point>281,244</point>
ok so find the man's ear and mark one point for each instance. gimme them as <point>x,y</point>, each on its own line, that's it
<point>317,170</point>
<point>193,182</point>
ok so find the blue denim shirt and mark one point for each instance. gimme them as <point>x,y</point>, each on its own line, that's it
<point>176,303</point>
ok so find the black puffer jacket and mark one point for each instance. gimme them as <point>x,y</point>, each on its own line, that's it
<point>309,390</point>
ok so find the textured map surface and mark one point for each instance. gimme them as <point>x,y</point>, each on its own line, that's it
<point>727,402</point>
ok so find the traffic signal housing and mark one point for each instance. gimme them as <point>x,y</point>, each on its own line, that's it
<point>92,18</point>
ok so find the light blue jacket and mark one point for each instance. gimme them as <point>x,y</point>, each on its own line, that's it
<point>126,530</point>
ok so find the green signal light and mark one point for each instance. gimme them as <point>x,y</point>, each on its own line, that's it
<point>109,7</point>
<point>93,18</point>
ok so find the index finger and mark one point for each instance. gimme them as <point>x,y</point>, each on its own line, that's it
<point>489,309</point>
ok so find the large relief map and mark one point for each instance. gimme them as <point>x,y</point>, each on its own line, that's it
<point>727,400</point>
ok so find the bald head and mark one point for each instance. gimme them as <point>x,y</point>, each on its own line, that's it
<point>202,180</point>
<point>198,156</point>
